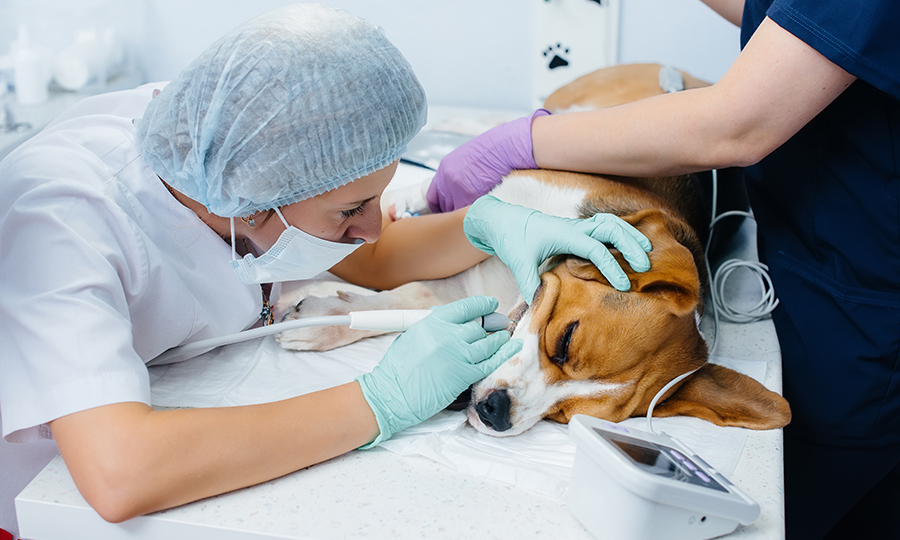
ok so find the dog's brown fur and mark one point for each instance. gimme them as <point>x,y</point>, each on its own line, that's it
<point>644,338</point>
<point>612,86</point>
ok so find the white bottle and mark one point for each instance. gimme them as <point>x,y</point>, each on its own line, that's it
<point>31,69</point>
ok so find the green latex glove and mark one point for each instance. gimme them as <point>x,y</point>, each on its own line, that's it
<point>524,238</point>
<point>432,363</point>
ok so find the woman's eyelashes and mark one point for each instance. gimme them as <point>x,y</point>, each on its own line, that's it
<point>347,214</point>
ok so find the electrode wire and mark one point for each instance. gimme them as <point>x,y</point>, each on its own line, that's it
<point>660,394</point>
<point>721,307</point>
<point>209,344</point>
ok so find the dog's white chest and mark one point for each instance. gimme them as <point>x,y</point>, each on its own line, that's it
<point>552,199</point>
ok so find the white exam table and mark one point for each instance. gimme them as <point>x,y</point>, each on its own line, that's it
<point>382,494</point>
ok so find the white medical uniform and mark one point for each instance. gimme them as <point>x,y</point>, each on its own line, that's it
<point>102,269</point>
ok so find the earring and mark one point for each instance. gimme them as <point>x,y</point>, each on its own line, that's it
<point>249,221</point>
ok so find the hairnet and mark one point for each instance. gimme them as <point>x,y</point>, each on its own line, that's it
<point>292,104</point>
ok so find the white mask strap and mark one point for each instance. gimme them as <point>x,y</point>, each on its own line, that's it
<point>277,211</point>
<point>233,249</point>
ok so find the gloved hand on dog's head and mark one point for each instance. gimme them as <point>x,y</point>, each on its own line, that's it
<point>524,238</point>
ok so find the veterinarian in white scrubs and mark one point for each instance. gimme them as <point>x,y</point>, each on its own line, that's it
<point>142,220</point>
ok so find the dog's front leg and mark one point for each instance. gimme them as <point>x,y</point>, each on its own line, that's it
<point>415,295</point>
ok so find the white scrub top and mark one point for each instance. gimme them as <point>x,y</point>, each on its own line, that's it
<point>102,269</point>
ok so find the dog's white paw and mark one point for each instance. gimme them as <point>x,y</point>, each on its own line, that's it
<point>322,338</point>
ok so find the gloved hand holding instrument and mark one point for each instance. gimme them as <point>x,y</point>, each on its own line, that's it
<point>432,363</point>
<point>524,238</point>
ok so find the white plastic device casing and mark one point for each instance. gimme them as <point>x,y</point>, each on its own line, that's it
<point>615,498</point>
<point>399,320</point>
<point>388,320</point>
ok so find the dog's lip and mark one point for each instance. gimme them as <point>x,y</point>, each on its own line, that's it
<point>511,327</point>
<point>515,316</point>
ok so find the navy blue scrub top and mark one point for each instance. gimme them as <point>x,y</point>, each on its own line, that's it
<point>828,208</point>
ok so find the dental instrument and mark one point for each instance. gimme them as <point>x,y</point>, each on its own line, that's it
<point>385,320</point>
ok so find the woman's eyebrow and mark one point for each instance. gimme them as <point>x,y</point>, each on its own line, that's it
<point>362,202</point>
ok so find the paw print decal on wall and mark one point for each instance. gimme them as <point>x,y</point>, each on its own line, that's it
<point>557,55</point>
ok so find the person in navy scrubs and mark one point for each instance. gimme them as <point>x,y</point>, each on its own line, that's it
<point>811,109</point>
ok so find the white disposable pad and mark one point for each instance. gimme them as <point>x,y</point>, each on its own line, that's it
<point>539,460</point>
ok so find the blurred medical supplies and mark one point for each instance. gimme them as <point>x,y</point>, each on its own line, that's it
<point>8,123</point>
<point>95,55</point>
<point>58,46</point>
<point>429,147</point>
<point>30,64</point>
<point>630,484</point>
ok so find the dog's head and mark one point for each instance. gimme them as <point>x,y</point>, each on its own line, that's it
<point>590,349</point>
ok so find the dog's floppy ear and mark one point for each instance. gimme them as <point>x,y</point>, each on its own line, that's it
<point>727,398</point>
<point>673,270</point>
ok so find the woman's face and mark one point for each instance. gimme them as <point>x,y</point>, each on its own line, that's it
<point>345,214</point>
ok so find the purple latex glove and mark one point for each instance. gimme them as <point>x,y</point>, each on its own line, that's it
<point>476,167</point>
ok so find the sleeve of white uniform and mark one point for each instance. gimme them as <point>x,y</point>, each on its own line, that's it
<point>64,322</point>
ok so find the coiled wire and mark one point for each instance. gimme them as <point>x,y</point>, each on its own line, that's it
<point>721,307</point>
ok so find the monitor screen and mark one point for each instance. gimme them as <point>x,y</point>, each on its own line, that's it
<point>660,460</point>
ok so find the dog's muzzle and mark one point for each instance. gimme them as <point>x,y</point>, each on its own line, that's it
<point>493,410</point>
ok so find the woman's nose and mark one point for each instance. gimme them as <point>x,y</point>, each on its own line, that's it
<point>367,225</point>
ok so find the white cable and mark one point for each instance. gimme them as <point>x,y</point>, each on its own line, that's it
<point>762,308</point>
<point>384,320</point>
<point>720,305</point>
<point>659,394</point>
<point>185,351</point>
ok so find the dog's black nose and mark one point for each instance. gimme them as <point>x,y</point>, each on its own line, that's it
<point>494,410</point>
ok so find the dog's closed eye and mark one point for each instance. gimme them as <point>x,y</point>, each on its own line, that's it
<point>561,354</point>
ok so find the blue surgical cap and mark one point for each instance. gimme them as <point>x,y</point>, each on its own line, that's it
<point>294,103</point>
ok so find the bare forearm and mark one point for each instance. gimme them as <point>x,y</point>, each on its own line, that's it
<point>773,89</point>
<point>731,10</point>
<point>128,459</point>
<point>646,138</point>
<point>413,249</point>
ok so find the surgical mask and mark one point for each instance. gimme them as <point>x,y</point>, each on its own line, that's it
<point>296,255</point>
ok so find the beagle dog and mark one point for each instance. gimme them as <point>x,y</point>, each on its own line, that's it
<point>588,348</point>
